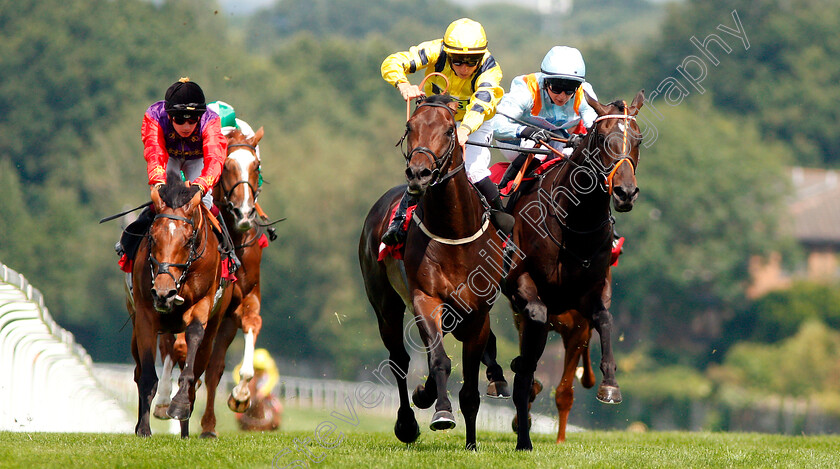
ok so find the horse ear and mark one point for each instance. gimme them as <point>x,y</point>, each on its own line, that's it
<point>453,105</point>
<point>195,201</point>
<point>637,103</point>
<point>598,107</point>
<point>257,137</point>
<point>157,202</point>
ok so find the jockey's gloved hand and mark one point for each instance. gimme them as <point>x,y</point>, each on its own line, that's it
<point>535,134</point>
<point>574,140</point>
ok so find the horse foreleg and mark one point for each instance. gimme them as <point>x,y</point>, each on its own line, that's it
<point>608,391</point>
<point>533,336</point>
<point>143,349</point>
<point>429,311</point>
<point>576,343</point>
<point>215,368</point>
<point>181,407</point>
<point>474,346</point>
<point>406,428</point>
<point>497,386</point>
<point>166,344</point>
<point>240,396</point>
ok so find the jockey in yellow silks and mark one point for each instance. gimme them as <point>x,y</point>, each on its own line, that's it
<point>474,80</point>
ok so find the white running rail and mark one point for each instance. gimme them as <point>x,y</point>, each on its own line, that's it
<point>46,380</point>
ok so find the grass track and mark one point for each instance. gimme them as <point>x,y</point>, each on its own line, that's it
<point>376,449</point>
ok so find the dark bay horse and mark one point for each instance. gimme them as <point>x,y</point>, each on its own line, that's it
<point>177,287</point>
<point>564,228</point>
<point>236,193</point>
<point>448,278</point>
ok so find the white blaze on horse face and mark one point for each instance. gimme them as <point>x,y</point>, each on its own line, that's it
<point>172,228</point>
<point>622,126</point>
<point>244,159</point>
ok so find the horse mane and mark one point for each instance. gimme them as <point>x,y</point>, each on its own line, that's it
<point>174,193</point>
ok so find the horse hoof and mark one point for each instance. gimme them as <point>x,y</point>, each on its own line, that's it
<point>524,446</point>
<point>498,390</point>
<point>420,397</point>
<point>208,435</point>
<point>144,433</point>
<point>515,423</point>
<point>406,428</point>
<point>238,406</point>
<point>160,411</point>
<point>471,446</point>
<point>178,412</point>
<point>609,394</point>
<point>442,420</point>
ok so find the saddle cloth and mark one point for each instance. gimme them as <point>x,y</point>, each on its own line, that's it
<point>395,251</point>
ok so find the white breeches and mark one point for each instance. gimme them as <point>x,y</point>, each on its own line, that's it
<point>476,158</point>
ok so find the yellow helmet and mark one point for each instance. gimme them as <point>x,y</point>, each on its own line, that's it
<point>465,36</point>
<point>262,359</point>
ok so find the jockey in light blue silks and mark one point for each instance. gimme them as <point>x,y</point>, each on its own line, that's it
<point>549,99</point>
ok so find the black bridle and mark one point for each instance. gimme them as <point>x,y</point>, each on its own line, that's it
<point>439,161</point>
<point>160,268</point>
<point>227,193</point>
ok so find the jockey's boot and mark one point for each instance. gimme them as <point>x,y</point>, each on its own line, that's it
<point>513,169</point>
<point>134,233</point>
<point>501,219</point>
<point>227,247</point>
<point>395,234</point>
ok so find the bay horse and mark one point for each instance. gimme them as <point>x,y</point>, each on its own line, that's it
<point>565,230</point>
<point>441,279</point>
<point>177,287</point>
<point>236,193</point>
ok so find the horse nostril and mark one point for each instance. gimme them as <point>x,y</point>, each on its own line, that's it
<point>426,173</point>
<point>619,193</point>
<point>409,174</point>
<point>635,192</point>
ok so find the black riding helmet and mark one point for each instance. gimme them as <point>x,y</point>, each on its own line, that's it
<point>185,99</point>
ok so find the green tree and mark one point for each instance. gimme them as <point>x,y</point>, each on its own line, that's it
<point>781,75</point>
<point>710,194</point>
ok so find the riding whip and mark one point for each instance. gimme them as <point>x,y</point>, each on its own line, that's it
<point>125,213</point>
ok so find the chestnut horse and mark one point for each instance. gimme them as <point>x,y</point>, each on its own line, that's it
<point>441,278</point>
<point>565,228</point>
<point>177,287</point>
<point>236,192</point>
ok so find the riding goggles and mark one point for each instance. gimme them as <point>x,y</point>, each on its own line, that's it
<point>468,60</point>
<point>561,85</point>
<point>181,120</point>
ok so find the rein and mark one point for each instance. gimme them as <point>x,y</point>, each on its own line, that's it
<point>160,268</point>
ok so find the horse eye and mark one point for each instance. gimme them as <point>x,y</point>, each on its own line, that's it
<point>450,131</point>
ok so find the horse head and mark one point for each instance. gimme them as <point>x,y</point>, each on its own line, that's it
<point>173,240</point>
<point>239,183</point>
<point>613,143</point>
<point>432,143</point>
